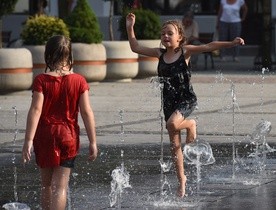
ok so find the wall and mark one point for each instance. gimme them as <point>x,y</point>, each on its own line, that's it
<point>14,23</point>
<point>206,24</point>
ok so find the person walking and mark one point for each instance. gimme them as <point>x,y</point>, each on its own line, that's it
<point>191,31</point>
<point>229,23</point>
<point>52,123</point>
<point>179,98</point>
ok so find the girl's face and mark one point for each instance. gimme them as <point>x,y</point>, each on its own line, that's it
<point>170,36</point>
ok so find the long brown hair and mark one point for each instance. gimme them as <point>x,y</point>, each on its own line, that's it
<point>58,53</point>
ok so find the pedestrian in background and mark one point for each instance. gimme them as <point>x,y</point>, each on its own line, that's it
<point>191,31</point>
<point>52,123</point>
<point>229,23</point>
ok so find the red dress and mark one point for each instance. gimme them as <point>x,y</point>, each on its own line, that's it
<point>57,134</point>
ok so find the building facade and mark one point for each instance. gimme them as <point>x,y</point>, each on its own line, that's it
<point>205,13</point>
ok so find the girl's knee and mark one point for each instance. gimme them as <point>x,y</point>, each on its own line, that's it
<point>171,126</point>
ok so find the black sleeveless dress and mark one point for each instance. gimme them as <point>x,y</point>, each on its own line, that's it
<point>178,93</point>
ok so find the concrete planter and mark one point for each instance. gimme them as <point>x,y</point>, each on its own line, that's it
<point>90,61</point>
<point>15,69</point>
<point>122,63</point>
<point>148,65</point>
<point>38,58</point>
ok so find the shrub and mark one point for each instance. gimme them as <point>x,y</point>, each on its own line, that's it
<point>147,24</point>
<point>7,7</point>
<point>83,24</point>
<point>38,29</point>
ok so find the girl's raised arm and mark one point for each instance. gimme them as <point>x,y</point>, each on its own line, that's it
<point>134,45</point>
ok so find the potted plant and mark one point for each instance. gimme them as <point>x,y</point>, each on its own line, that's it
<point>122,63</point>
<point>17,75</point>
<point>35,33</point>
<point>88,50</point>
<point>147,30</point>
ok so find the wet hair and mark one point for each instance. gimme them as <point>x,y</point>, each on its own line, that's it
<point>58,53</point>
<point>177,24</point>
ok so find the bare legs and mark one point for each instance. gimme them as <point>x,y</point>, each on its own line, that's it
<point>54,184</point>
<point>174,125</point>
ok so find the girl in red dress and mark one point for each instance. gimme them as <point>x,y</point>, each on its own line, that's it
<point>52,123</point>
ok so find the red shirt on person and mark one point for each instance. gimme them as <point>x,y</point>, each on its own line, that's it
<point>57,134</point>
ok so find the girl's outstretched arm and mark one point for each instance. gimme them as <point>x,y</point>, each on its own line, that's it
<point>134,45</point>
<point>215,45</point>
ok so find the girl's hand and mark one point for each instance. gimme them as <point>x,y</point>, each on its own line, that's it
<point>238,41</point>
<point>130,20</point>
<point>26,151</point>
<point>93,151</point>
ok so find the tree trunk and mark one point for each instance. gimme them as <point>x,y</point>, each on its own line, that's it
<point>110,22</point>
<point>1,44</point>
<point>266,37</point>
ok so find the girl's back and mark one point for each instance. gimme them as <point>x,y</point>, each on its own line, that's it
<point>61,96</point>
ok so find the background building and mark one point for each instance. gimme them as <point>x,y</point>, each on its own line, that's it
<point>205,14</point>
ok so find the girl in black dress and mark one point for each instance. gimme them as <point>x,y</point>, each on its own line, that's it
<point>179,99</point>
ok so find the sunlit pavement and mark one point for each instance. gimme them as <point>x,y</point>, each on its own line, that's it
<point>232,99</point>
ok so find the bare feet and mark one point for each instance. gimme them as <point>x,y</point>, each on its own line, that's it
<point>191,132</point>
<point>182,188</point>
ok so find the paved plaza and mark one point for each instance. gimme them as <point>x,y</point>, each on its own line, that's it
<point>233,99</point>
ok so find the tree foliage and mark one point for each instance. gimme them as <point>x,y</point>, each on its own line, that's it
<point>7,7</point>
<point>83,24</point>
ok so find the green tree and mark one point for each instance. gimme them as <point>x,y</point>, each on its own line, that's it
<point>6,7</point>
<point>83,24</point>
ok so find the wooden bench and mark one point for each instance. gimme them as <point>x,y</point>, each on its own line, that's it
<point>206,38</point>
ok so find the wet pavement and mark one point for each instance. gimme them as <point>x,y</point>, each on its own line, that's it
<point>232,102</point>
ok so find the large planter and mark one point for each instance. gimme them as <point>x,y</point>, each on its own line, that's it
<point>90,61</point>
<point>15,69</point>
<point>38,58</point>
<point>121,62</point>
<point>148,65</point>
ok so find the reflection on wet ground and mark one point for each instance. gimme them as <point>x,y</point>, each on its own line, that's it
<point>90,181</point>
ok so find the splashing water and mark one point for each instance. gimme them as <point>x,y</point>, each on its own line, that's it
<point>165,166</point>
<point>199,152</point>
<point>15,205</point>
<point>120,176</point>
<point>261,131</point>
<point>258,138</point>
<point>264,70</point>
<point>120,181</point>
